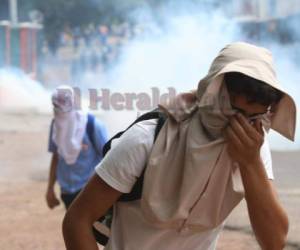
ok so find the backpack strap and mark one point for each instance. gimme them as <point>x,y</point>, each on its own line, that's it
<point>136,192</point>
<point>90,128</point>
<point>155,114</point>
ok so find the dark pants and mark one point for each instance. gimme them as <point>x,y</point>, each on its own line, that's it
<point>68,198</point>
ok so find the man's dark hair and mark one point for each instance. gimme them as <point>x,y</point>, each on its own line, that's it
<point>254,90</point>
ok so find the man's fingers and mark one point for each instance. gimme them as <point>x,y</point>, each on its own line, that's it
<point>52,200</point>
<point>240,132</point>
<point>250,131</point>
<point>232,137</point>
<point>54,203</point>
<point>258,126</point>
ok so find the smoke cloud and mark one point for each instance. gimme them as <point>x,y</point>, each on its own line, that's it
<point>176,51</point>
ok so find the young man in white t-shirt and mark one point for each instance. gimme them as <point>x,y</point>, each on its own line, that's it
<point>253,100</point>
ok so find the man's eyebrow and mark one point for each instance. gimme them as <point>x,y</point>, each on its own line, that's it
<point>243,111</point>
<point>255,114</point>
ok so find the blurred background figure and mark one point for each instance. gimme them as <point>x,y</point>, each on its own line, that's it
<point>75,141</point>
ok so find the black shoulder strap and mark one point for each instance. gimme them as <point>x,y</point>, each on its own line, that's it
<point>90,127</point>
<point>136,192</point>
<point>155,114</point>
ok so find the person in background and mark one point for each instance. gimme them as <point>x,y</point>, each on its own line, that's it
<point>76,140</point>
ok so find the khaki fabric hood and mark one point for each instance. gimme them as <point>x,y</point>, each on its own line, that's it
<point>256,62</point>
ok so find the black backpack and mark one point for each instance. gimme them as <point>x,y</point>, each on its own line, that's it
<point>90,127</point>
<point>105,222</point>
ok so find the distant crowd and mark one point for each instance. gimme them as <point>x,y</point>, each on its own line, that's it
<point>97,47</point>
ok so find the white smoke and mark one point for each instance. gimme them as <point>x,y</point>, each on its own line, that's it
<point>176,52</point>
<point>181,54</point>
<point>289,76</point>
<point>19,93</point>
<point>177,58</point>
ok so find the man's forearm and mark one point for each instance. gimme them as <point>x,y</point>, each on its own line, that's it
<point>78,233</point>
<point>92,203</point>
<point>268,219</point>
<point>52,172</point>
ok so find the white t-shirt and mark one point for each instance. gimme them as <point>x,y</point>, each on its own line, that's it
<point>120,169</point>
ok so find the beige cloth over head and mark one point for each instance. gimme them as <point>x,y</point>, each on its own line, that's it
<point>69,124</point>
<point>190,180</point>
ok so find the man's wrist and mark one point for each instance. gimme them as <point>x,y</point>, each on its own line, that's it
<point>252,164</point>
<point>253,170</point>
<point>50,187</point>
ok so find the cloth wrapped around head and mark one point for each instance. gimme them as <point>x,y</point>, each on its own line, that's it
<point>69,124</point>
<point>190,180</point>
